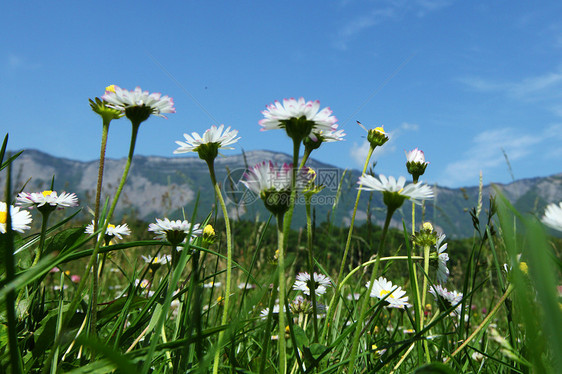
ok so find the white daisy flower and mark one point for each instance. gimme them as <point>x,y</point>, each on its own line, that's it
<point>212,284</point>
<point>391,186</point>
<point>382,287</point>
<point>416,155</point>
<point>20,219</point>
<point>174,231</point>
<point>144,283</point>
<point>278,115</point>
<point>157,260</point>
<point>121,99</point>
<point>273,184</point>
<point>327,136</point>
<point>213,135</point>
<point>112,231</point>
<point>266,176</point>
<point>246,286</point>
<point>415,163</point>
<point>265,312</point>
<point>442,258</point>
<point>553,216</point>
<point>447,298</point>
<point>303,281</point>
<point>49,199</point>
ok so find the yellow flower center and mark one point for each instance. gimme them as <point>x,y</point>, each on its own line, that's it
<point>47,193</point>
<point>110,226</point>
<point>220,299</point>
<point>384,293</point>
<point>524,268</point>
<point>380,129</point>
<point>3,217</point>
<point>110,88</point>
<point>427,226</point>
<point>209,231</point>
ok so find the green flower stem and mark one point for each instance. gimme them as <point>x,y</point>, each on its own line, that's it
<point>331,308</point>
<point>311,267</point>
<point>420,304</point>
<point>80,288</point>
<point>419,310</point>
<point>305,158</point>
<point>95,272</point>
<point>483,324</point>
<point>283,228</point>
<point>218,194</point>
<point>366,298</point>
<point>82,284</point>
<point>45,213</point>
<point>348,276</point>
<point>426,250</point>
<point>7,246</point>
<point>289,214</point>
<point>267,332</point>
<point>413,218</point>
<point>281,266</point>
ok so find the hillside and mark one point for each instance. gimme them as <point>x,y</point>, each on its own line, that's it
<point>162,186</point>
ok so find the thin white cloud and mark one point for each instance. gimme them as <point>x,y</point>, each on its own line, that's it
<point>540,87</point>
<point>359,24</point>
<point>486,154</point>
<point>406,126</point>
<point>17,62</point>
<point>385,10</point>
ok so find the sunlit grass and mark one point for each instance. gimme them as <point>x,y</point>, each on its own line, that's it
<point>194,300</point>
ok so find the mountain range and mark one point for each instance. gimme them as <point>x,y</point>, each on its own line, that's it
<point>170,187</point>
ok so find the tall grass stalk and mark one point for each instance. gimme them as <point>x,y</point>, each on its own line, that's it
<point>367,296</point>
<point>282,301</point>
<point>312,287</point>
<point>228,287</point>
<point>331,308</point>
<point>81,286</point>
<point>7,242</point>
<point>100,236</point>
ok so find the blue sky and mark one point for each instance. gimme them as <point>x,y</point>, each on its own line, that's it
<point>461,80</point>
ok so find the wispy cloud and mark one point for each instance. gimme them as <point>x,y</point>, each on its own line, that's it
<point>360,24</point>
<point>485,153</point>
<point>540,87</point>
<point>382,12</point>
<point>16,62</point>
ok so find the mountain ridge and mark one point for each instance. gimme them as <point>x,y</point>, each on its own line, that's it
<point>161,186</point>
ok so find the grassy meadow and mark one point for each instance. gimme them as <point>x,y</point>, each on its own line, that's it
<point>85,291</point>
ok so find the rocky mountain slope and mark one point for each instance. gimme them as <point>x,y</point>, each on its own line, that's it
<point>161,186</point>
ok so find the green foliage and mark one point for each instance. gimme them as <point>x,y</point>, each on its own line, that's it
<point>165,317</point>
